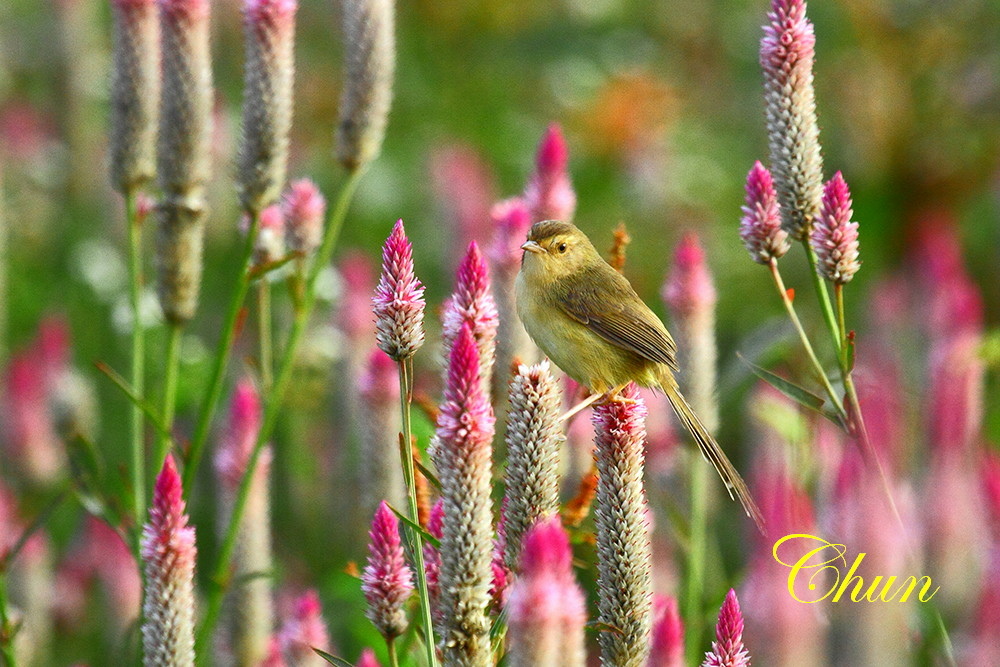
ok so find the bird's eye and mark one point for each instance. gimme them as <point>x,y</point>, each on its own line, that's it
<point>562,247</point>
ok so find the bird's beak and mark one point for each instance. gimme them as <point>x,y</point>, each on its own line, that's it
<point>531,246</point>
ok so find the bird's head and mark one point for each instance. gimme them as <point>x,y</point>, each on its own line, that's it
<point>557,249</point>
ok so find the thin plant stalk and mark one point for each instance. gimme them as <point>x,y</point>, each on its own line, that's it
<point>390,645</point>
<point>409,476</point>
<point>220,577</point>
<point>793,315</point>
<point>824,298</point>
<point>172,370</point>
<point>264,327</point>
<point>222,353</point>
<point>696,557</point>
<point>138,371</point>
<point>6,629</point>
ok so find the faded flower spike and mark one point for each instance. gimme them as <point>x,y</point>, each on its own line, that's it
<point>728,649</point>
<point>787,51</point>
<point>549,193</point>
<point>304,207</point>
<point>135,93</point>
<point>760,227</point>
<point>269,38</point>
<point>472,303</point>
<point>370,61</point>
<point>835,236</point>
<point>387,581</point>
<point>461,452</point>
<point>168,553</point>
<point>546,610</point>
<point>399,299</point>
<point>624,560</point>
<point>534,436</point>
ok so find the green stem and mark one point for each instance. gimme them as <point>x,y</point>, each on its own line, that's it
<point>391,646</point>
<point>264,331</point>
<point>838,293</point>
<point>222,353</point>
<point>273,401</point>
<point>173,362</point>
<point>409,476</point>
<point>6,630</point>
<point>793,315</point>
<point>695,584</point>
<point>824,298</point>
<point>138,375</point>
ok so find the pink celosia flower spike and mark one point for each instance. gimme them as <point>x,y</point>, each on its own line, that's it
<point>168,554</point>
<point>546,610</point>
<point>667,648</point>
<point>462,453</point>
<point>728,649</point>
<point>270,244</point>
<point>760,227</point>
<point>472,304</point>
<point>304,631</point>
<point>835,235</point>
<point>386,581</point>
<point>432,557</point>
<point>689,286</point>
<point>549,193</point>
<point>399,299</point>
<point>304,207</point>
<point>380,472</point>
<point>367,659</point>
<point>786,56</point>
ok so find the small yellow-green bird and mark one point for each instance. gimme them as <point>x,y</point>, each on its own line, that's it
<point>590,322</point>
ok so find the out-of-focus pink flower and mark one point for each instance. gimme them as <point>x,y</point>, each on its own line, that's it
<point>688,288</point>
<point>240,435</point>
<point>511,220</point>
<point>270,245</point>
<point>464,186</point>
<point>304,207</point>
<point>25,132</point>
<point>399,299</point>
<point>880,390</point>
<point>168,554</point>
<point>354,312</point>
<point>387,581</point>
<point>432,557</point>
<point>115,566</point>
<point>986,620</point>
<point>367,659</point>
<point>546,610</point>
<point>760,227</point>
<point>381,473</point>
<point>549,193</point>
<point>667,648</point>
<point>955,303</point>
<point>728,649</point>
<point>955,396</point>
<point>834,235</point>
<point>303,631</point>
<point>472,305</point>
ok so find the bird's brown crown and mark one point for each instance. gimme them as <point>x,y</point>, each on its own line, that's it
<point>546,229</point>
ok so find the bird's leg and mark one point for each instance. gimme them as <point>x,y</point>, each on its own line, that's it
<point>582,405</point>
<point>613,397</point>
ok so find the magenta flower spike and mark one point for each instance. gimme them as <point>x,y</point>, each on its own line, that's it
<point>549,193</point>
<point>728,649</point>
<point>760,226</point>
<point>546,609</point>
<point>472,304</point>
<point>462,452</point>
<point>624,560</point>
<point>305,208</point>
<point>689,288</point>
<point>168,554</point>
<point>835,237</point>
<point>667,649</point>
<point>387,581</point>
<point>787,51</point>
<point>367,659</point>
<point>399,299</point>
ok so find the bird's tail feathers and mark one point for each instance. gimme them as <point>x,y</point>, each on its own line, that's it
<point>713,453</point>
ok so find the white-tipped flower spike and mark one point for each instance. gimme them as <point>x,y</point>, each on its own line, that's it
<point>534,438</point>
<point>472,303</point>
<point>387,581</point>
<point>249,610</point>
<point>304,207</point>
<point>760,227</point>
<point>135,93</point>
<point>546,609</point>
<point>168,555</point>
<point>399,299</point>
<point>728,649</point>
<point>624,560</point>
<point>461,452</point>
<point>787,51</point>
<point>369,62</point>
<point>835,236</point>
<point>183,154</point>
<point>269,38</point>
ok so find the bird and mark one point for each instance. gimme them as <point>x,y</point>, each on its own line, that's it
<point>586,317</point>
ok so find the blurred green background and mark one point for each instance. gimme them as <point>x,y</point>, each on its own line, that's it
<point>662,108</point>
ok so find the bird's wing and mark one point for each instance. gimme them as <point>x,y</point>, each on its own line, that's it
<point>615,313</point>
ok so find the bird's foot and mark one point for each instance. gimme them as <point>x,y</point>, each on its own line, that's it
<point>582,405</point>
<point>614,396</point>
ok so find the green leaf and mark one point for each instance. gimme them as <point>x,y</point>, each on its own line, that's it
<point>427,537</point>
<point>147,409</point>
<point>431,477</point>
<point>800,395</point>
<point>33,527</point>
<point>331,659</point>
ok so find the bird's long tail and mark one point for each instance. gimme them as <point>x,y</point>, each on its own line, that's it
<point>711,450</point>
